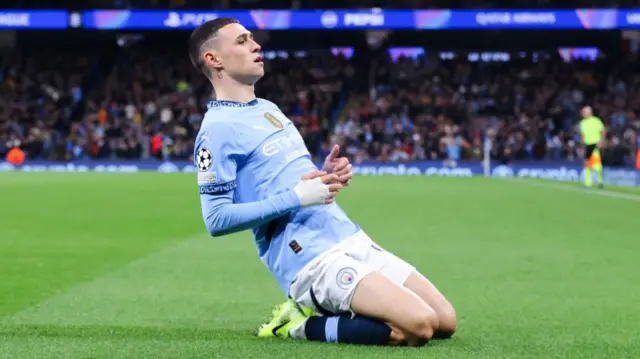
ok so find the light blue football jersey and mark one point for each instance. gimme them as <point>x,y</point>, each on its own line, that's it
<point>249,157</point>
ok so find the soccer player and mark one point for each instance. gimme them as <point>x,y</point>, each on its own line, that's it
<point>254,172</point>
<point>592,132</point>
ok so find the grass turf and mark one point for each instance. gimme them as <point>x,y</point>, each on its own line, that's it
<point>120,266</point>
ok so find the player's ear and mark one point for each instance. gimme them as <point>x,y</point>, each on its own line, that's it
<point>212,60</point>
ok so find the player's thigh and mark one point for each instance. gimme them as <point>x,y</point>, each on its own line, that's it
<point>427,291</point>
<point>404,274</point>
<point>363,248</point>
<point>377,296</point>
<point>337,283</point>
<point>327,283</point>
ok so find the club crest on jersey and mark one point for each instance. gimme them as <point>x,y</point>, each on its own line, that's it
<point>273,120</point>
<point>345,277</point>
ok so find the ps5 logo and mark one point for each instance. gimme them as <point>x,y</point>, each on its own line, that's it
<point>173,20</point>
<point>190,19</point>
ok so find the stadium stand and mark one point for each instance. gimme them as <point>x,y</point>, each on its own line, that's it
<point>422,110</point>
<point>152,100</point>
<point>41,98</point>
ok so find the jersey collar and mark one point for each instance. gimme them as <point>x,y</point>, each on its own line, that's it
<point>225,103</point>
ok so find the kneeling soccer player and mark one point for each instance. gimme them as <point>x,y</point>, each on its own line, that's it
<point>336,295</point>
<point>255,172</point>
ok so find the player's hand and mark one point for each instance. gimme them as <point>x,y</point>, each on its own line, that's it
<point>338,165</point>
<point>330,179</point>
<point>316,188</point>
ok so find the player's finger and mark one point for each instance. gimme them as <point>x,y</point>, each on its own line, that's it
<point>340,164</point>
<point>330,198</point>
<point>344,170</point>
<point>330,178</point>
<point>345,178</point>
<point>314,174</point>
<point>335,187</point>
<point>348,183</point>
<point>335,150</point>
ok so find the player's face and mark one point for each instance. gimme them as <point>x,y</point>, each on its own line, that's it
<point>238,53</point>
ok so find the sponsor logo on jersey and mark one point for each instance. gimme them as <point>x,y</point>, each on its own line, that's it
<point>287,142</point>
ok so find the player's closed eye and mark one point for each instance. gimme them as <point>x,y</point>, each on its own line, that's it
<point>242,39</point>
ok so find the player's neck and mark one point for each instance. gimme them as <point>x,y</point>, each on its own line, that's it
<point>234,91</point>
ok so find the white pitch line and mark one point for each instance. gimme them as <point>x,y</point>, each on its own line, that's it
<point>566,187</point>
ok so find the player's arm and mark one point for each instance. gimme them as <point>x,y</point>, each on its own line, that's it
<point>217,184</point>
<point>222,216</point>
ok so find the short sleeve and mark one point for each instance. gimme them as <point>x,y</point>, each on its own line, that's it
<point>215,157</point>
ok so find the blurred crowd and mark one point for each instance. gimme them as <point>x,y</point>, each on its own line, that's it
<point>149,103</point>
<point>39,95</point>
<point>445,110</point>
<point>153,101</point>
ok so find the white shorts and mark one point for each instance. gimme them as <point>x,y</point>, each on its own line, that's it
<point>327,283</point>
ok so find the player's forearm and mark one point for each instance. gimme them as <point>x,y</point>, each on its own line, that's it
<point>224,217</point>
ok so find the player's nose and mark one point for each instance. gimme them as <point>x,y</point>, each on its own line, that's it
<point>256,47</point>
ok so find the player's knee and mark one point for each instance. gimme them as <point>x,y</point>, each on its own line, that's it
<point>423,328</point>
<point>421,336</point>
<point>396,337</point>
<point>447,323</point>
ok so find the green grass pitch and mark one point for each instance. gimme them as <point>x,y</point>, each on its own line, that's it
<point>120,266</point>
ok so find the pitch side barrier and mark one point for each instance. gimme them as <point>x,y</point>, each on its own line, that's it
<point>549,170</point>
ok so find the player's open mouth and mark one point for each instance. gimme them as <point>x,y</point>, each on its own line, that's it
<point>258,60</point>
